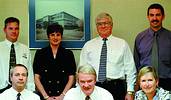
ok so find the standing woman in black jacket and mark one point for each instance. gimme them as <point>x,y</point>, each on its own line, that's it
<point>54,66</point>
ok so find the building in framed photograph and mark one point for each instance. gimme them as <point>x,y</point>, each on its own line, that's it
<point>73,15</point>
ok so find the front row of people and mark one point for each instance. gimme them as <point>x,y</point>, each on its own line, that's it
<point>86,88</point>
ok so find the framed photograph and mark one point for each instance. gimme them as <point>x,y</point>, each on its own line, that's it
<point>73,15</point>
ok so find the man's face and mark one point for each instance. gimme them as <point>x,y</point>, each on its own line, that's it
<point>155,18</point>
<point>104,27</point>
<point>55,38</point>
<point>148,83</point>
<point>19,78</point>
<point>12,31</point>
<point>87,83</point>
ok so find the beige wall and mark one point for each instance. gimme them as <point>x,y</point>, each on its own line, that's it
<point>129,17</point>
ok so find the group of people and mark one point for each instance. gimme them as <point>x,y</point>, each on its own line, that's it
<point>107,69</point>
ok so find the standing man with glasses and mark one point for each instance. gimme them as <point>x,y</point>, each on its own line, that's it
<point>13,52</point>
<point>112,59</point>
<point>153,46</point>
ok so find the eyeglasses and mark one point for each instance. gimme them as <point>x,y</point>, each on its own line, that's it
<point>104,23</point>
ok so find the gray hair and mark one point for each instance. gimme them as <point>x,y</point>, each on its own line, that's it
<point>104,15</point>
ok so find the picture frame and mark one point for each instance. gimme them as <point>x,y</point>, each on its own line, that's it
<point>76,31</point>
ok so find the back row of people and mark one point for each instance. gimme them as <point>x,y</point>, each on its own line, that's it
<point>54,66</point>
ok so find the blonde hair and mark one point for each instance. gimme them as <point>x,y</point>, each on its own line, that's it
<point>86,69</point>
<point>145,70</point>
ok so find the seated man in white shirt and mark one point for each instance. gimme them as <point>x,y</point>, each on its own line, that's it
<point>18,76</point>
<point>86,89</point>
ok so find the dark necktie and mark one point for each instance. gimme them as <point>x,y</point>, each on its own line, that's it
<point>12,56</point>
<point>87,98</point>
<point>155,53</point>
<point>18,96</point>
<point>103,60</point>
<point>12,61</point>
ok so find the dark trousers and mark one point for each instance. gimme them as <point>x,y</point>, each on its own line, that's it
<point>116,87</point>
<point>165,83</point>
<point>2,90</point>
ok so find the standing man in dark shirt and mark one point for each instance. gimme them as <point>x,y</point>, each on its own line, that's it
<point>144,45</point>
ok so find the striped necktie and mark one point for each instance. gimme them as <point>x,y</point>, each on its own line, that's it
<point>103,59</point>
<point>155,53</point>
<point>18,96</point>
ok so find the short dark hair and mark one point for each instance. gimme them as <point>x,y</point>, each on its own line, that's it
<point>54,28</point>
<point>156,6</point>
<point>11,19</point>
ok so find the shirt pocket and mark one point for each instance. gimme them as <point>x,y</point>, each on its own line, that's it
<point>23,59</point>
<point>166,56</point>
<point>115,56</point>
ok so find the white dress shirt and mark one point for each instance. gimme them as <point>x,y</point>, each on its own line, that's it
<point>120,62</point>
<point>23,56</point>
<point>98,94</point>
<point>11,94</point>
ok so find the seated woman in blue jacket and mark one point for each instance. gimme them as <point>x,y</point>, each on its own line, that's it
<point>148,81</point>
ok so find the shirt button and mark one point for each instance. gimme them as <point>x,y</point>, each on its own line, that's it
<point>57,91</point>
<point>50,92</point>
<point>50,81</point>
<point>45,70</point>
<point>63,71</point>
<point>57,82</point>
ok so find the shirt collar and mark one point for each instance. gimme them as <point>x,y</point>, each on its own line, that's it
<point>108,38</point>
<point>9,43</point>
<point>158,32</point>
<point>16,92</point>
<point>93,93</point>
<point>84,95</point>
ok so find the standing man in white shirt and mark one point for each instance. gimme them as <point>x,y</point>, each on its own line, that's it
<point>18,76</point>
<point>22,53</point>
<point>120,68</point>
<point>86,89</point>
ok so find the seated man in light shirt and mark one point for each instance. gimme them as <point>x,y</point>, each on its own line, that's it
<point>18,77</point>
<point>86,89</point>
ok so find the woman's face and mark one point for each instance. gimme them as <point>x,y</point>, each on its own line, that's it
<point>55,38</point>
<point>148,83</point>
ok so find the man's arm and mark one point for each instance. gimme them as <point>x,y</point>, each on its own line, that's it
<point>130,69</point>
